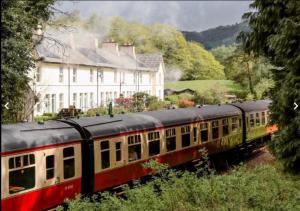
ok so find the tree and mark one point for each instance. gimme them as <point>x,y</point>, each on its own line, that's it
<point>19,19</point>
<point>275,27</point>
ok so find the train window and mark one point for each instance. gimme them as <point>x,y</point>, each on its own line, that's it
<point>118,151</point>
<point>195,134</point>
<point>105,159</point>
<point>234,124</point>
<point>50,167</point>
<point>225,127</point>
<point>154,143</point>
<point>69,162</point>
<point>257,120</point>
<point>185,136</point>
<point>251,120</point>
<point>21,173</point>
<point>171,139</point>
<point>134,148</point>
<point>215,129</point>
<point>263,118</point>
<point>204,132</point>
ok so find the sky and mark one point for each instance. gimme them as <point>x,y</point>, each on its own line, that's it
<point>184,15</point>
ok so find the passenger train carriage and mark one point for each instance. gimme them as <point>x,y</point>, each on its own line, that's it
<point>43,164</point>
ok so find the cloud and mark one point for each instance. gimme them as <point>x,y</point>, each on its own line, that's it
<point>184,15</point>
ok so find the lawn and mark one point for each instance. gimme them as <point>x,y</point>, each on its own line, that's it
<point>204,85</point>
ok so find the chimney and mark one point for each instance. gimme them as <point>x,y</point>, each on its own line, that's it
<point>71,41</point>
<point>129,49</point>
<point>111,46</point>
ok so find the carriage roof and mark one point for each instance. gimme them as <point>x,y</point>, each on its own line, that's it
<point>30,135</point>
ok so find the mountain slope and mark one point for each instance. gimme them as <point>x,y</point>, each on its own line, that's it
<point>221,35</point>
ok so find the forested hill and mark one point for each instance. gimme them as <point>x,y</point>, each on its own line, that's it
<point>221,35</point>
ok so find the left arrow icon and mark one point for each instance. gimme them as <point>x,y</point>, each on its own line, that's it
<point>6,106</point>
<point>296,106</point>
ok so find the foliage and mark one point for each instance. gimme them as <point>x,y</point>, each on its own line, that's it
<point>185,103</point>
<point>45,117</point>
<point>215,37</point>
<point>94,111</point>
<point>264,188</point>
<point>221,53</point>
<point>275,35</point>
<point>18,21</point>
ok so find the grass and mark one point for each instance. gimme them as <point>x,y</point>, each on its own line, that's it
<point>205,85</point>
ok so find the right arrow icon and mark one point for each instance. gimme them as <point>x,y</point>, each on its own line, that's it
<point>296,106</point>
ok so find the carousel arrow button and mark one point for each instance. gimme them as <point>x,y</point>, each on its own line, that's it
<point>6,106</point>
<point>296,106</point>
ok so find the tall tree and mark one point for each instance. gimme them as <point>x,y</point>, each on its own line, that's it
<point>19,19</point>
<point>275,34</point>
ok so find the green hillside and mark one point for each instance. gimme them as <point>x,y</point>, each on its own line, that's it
<point>221,35</point>
<point>205,85</point>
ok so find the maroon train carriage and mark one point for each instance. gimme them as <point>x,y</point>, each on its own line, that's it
<point>43,164</point>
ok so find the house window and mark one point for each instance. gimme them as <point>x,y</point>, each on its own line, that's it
<point>215,129</point>
<point>123,77</point>
<point>100,75</point>
<point>102,98</point>
<point>81,100</point>
<point>185,136</point>
<point>105,159</point>
<point>150,78</point>
<point>21,173</point>
<point>69,162</point>
<point>263,118</point>
<point>141,78</point>
<point>85,105</point>
<point>204,132</point>
<point>38,107</point>
<point>50,167</point>
<point>74,99</point>
<point>91,99</point>
<point>115,77</point>
<point>134,148</point>
<point>118,151</point>
<point>91,75</point>
<point>159,78</point>
<point>61,74</point>
<point>195,133</point>
<point>47,103</point>
<point>251,120</point>
<point>61,101</point>
<point>38,74</point>
<point>234,124</point>
<point>154,143</point>
<point>115,95</point>
<point>171,139</point>
<point>257,120</point>
<point>225,127</point>
<point>53,103</point>
<point>106,97</point>
<point>74,74</point>
<point>135,76</point>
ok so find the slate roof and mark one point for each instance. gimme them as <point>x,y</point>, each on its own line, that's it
<point>87,54</point>
<point>150,60</point>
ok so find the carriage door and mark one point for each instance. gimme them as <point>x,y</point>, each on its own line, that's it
<point>50,164</point>
<point>118,151</point>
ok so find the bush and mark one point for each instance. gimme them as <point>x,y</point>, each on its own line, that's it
<point>93,111</point>
<point>264,188</point>
<point>45,117</point>
<point>185,103</point>
<point>172,98</point>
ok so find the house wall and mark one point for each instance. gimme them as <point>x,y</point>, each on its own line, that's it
<point>55,94</point>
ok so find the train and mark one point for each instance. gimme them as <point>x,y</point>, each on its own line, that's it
<point>42,164</point>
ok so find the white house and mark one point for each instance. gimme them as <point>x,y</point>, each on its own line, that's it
<point>89,76</point>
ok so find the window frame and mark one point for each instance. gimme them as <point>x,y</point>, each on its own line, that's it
<point>50,168</point>
<point>170,133</point>
<point>15,168</point>
<point>215,127</point>
<point>61,75</point>
<point>69,158</point>
<point>103,151</point>
<point>206,128</point>
<point>185,130</point>
<point>137,140</point>
<point>225,122</point>
<point>155,138</point>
